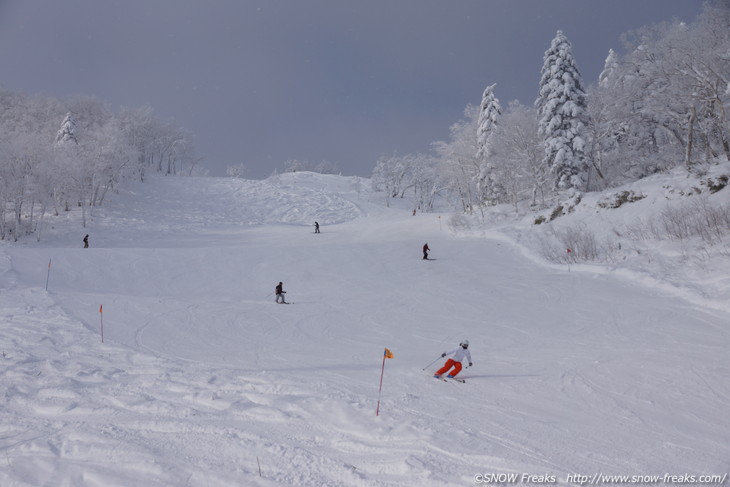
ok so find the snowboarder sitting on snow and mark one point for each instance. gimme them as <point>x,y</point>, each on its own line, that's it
<point>425,251</point>
<point>280,294</point>
<point>459,353</point>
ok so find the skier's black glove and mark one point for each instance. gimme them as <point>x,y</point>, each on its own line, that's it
<point>443,354</point>
<point>469,364</point>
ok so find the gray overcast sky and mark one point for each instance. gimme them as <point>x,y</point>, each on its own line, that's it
<point>262,81</point>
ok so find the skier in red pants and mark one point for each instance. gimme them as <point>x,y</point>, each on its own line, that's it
<point>460,353</point>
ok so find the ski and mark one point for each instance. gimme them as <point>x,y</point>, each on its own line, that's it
<point>447,379</point>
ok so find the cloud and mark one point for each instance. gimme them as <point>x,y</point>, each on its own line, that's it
<point>261,82</point>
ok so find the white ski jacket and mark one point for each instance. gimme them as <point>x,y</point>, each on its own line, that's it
<point>459,353</point>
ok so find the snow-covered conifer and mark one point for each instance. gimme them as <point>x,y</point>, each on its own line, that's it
<point>610,66</point>
<point>489,113</point>
<point>67,133</point>
<point>561,106</point>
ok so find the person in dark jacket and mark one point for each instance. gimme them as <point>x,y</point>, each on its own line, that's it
<point>425,251</point>
<point>280,294</point>
<point>316,227</point>
<point>86,242</point>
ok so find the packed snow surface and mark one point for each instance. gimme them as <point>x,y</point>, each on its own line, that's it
<point>202,380</point>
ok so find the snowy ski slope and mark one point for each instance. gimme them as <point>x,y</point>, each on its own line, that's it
<point>203,380</point>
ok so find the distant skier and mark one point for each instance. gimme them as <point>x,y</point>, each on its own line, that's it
<point>316,227</point>
<point>460,353</point>
<point>86,242</point>
<point>280,294</point>
<point>425,251</point>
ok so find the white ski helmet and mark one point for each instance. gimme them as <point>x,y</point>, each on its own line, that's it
<point>464,344</point>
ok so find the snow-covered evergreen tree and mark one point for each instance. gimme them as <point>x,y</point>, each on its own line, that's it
<point>610,66</point>
<point>489,112</point>
<point>67,133</point>
<point>561,106</point>
<point>488,185</point>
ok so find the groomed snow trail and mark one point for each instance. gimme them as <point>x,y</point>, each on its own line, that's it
<point>202,377</point>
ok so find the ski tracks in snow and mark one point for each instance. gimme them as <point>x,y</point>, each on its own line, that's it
<point>202,377</point>
<point>94,406</point>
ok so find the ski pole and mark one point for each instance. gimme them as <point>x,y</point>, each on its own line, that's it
<point>429,365</point>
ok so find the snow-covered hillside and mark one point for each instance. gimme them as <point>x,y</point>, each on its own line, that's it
<point>203,380</point>
<point>669,231</point>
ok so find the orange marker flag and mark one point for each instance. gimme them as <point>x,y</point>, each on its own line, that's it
<point>386,354</point>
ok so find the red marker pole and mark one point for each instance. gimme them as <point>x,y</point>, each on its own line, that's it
<point>48,276</point>
<point>101,315</point>
<point>380,390</point>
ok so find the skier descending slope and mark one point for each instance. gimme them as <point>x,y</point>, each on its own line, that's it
<point>460,353</point>
<point>280,293</point>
